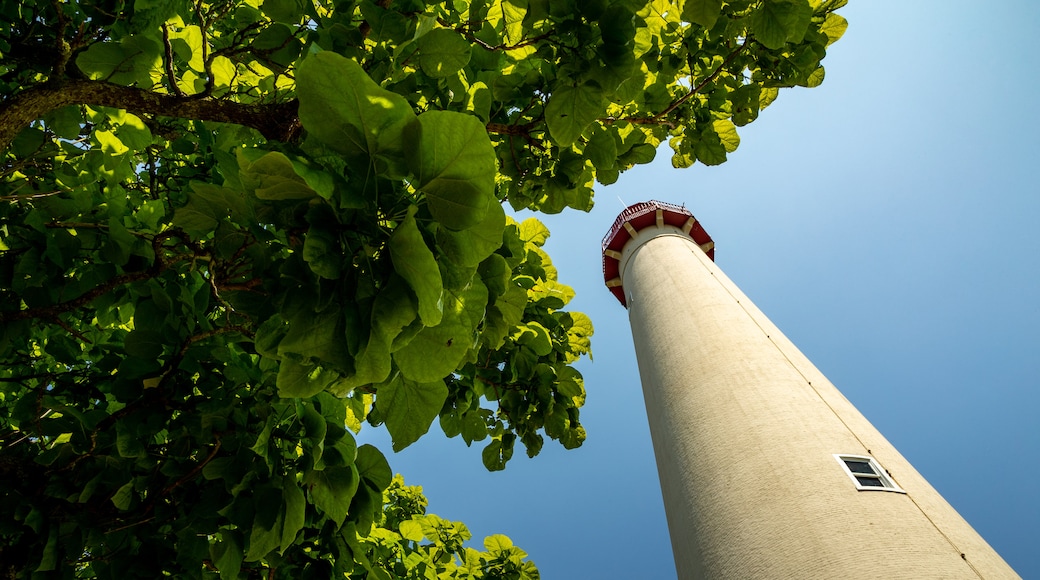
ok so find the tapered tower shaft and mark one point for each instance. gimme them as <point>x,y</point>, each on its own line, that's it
<point>766,470</point>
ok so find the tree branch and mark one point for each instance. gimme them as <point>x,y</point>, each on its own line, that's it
<point>729,58</point>
<point>168,61</point>
<point>276,121</point>
<point>660,118</point>
<point>52,311</point>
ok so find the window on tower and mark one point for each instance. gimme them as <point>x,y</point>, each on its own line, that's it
<point>867,473</point>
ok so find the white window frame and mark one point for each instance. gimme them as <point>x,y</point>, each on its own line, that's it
<point>880,475</point>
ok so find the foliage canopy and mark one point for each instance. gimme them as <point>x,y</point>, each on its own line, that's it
<point>233,231</point>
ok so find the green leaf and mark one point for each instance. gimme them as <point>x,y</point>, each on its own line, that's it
<point>570,383</point>
<point>128,443</point>
<point>127,62</point>
<point>727,133</point>
<point>303,380</point>
<point>703,12</point>
<point>602,149</point>
<point>65,121</point>
<point>639,154</point>
<point>287,11</point>
<point>187,43</point>
<point>815,78</point>
<point>834,26</point>
<point>409,408</point>
<point>573,438</point>
<point>134,133</point>
<point>436,351</point>
<point>207,205</point>
<point>124,496</point>
<point>578,334</point>
<point>479,100</point>
<point>49,560</point>
<point>571,109</point>
<point>227,554</point>
<point>389,25</point>
<point>411,530</point>
<point>535,336</point>
<point>471,246</point>
<point>709,148</point>
<point>533,231</point>
<point>318,335</point>
<point>504,314</point>
<point>414,262</point>
<point>473,427</point>
<point>294,517</point>
<point>495,274</point>
<point>269,334</point>
<point>266,532</point>
<point>498,543</point>
<point>442,52</point>
<point>322,252</point>
<point>110,143</point>
<point>315,429</point>
<point>144,343</point>
<point>393,310</point>
<point>496,454</point>
<point>513,13</point>
<point>373,468</point>
<point>273,177</point>
<point>777,22</point>
<point>341,106</point>
<point>455,165</point>
<point>332,489</point>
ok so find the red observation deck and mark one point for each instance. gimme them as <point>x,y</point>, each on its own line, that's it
<point>643,215</point>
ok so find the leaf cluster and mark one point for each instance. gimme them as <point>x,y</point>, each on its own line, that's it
<point>232,233</point>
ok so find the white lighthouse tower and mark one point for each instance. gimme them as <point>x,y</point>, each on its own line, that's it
<point>766,470</point>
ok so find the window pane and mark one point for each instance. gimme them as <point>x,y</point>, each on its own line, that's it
<point>869,481</point>
<point>858,466</point>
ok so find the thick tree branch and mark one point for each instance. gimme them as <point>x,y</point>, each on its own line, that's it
<point>274,121</point>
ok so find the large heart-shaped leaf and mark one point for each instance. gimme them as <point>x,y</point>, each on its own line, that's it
<point>349,112</point>
<point>454,163</point>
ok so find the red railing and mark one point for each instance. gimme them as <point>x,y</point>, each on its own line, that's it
<point>638,210</point>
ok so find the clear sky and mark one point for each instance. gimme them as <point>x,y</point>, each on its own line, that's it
<point>889,223</point>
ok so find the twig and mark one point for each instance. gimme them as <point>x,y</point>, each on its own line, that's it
<point>57,320</point>
<point>729,58</point>
<point>63,307</point>
<point>170,75</point>
<point>462,29</point>
<point>659,118</point>
<point>195,470</point>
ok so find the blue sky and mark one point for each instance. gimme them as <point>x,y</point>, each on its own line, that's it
<point>887,223</point>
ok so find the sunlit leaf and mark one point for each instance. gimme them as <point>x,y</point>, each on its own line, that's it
<point>437,350</point>
<point>414,261</point>
<point>777,22</point>
<point>346,110</point>
<point>454,163</point>
<point>443,52</point>
<point>571,109</point>
<point>703,12</point>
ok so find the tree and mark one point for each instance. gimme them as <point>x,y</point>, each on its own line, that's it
<point>235,231</point>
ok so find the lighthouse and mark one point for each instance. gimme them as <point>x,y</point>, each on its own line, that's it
<point>766,470</point>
